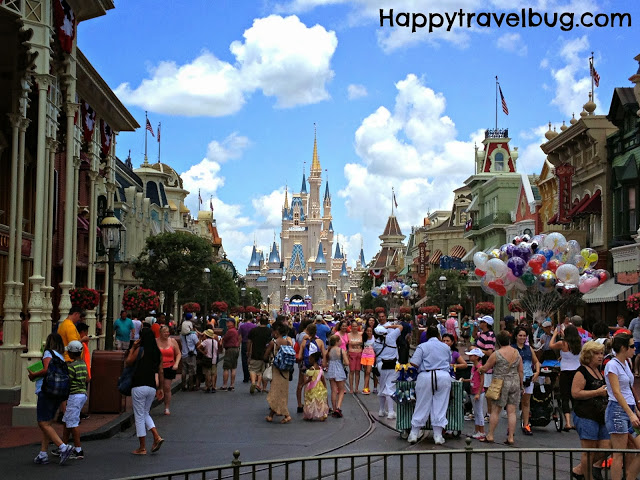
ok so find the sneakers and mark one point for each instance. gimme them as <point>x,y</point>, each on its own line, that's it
<point>526,429</point>
<point>41,460</point>
<point>65,454</point>
<point>75,455</point>
<point>55,452</point>
<point>391,415</point>
<point>478,435</point>
<point>414,437</point>
<point>468,417</point>
<point>375,391</point>
<point>382,413</point>
<point>438,439</point>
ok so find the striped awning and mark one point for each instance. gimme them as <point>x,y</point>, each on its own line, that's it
<point>609,291</point>
<point>458,251</point>
<point>435,257</point>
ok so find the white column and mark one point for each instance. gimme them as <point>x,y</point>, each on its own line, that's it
<point>91,267</point>
<point>24,124</point>
<point>76,181</point>
<point>10,350</point>
<point>48,258</point>
<point>69,215</point>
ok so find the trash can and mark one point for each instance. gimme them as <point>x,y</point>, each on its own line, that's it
<point>106,367</point>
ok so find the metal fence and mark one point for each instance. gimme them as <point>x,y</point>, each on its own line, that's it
<point>461,464</point>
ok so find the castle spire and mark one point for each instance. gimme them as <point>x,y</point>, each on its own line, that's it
<point>303,189</point>
<point>315,162</point>
<point>327,196</point>
<point>286,197</point>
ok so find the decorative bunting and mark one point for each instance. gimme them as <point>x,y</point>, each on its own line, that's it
<point>65,24</point>
<point>88,121</point>
<point>107,136</point>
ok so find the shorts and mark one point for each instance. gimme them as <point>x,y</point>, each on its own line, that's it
<point>637,347</point>
<point>75,403</point>
<point>487,379</point>
<point>354,361</point>
<point>210,370</point>
<point>169,373</point>
<point>367,361</point>
<point>231,358</point>
<point>589,429</point>
<point>188,365</point>
<point>256,366</point>
<point>617,420</point>
<point>122,344</point>
<point>47,407</point>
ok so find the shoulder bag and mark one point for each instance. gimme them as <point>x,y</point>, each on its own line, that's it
<point>495,389</point>
<point>125,381</point>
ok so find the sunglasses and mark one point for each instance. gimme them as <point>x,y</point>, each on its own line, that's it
<point>632,345</point>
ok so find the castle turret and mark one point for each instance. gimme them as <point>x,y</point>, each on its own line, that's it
<point>320,278</point>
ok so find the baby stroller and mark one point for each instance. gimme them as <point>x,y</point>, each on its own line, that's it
<point>545,404</point>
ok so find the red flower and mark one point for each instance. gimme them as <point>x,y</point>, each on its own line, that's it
<point>485,308</point>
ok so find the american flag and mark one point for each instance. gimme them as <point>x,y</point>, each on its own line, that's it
<point>594,74</point>
<point>505,109</point>
<point>395,202</point>
<point>199,197</point>
<point>150,128</point>
<point>158,133</point>
<point>211,203</point>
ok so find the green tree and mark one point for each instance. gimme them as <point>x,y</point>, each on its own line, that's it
<point>254,297</point>
<point>221,288</point>
<point>367,300</point>
<point>455,293</point>
<point>174,262</point>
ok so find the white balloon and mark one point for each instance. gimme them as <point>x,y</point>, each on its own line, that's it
<point>496,268</point>
<point>568,273</point>
<point>480,259</point>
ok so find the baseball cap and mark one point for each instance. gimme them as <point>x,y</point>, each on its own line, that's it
<point>488,319</point>
<point>74,346</point>
<point>546,323</point>
<point>188,316</point>
<point>475,351</point>
<point>319,317</point>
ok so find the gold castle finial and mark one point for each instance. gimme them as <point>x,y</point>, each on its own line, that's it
<point>315,163</point>
<point>286,196</point>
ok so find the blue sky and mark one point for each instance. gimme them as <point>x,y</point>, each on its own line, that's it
<point>238,87</point>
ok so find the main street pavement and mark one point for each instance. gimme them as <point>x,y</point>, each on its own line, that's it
<point>204,430</point>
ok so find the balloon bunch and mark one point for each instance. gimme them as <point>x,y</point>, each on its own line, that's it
<point>543,263</point>
<point>394,287</point>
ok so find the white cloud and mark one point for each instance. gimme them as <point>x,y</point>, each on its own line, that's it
<point>531,157</point>
<point>269,208</point>
<point>412,148</point>
<point>355,91</point>
<point>231,147</point>
<point>281,57</point>
<point>512,42</point>
<point>572,79</point>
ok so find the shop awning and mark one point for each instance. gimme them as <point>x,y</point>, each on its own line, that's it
<point>458,251</point>
<point>609,291</point>
<point>553,220</point>
<point>577,206</point>
<point>472,205</point>
<point>435,257</point>
<point>592,206</point>
<point>469,256</point>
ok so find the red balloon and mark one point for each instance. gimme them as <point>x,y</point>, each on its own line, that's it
<point>536,263</point>
<point>553,265</point>
<point>498,287</point>
<point>480,273</point>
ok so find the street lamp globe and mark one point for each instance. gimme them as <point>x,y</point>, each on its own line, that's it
<point>110,230</point>
<point>414,285</point>
<point>243,291</point>
<point>442,281</point>
<point>206,274</point>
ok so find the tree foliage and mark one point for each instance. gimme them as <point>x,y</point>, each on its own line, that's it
<point>455,293</point>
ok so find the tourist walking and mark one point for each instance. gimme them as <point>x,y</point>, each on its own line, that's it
<point>531,372</point>
<point>432,359</point>
<point>590,398</point>
<point>189,342</point>
<point>171,355</point>
<point>245,327</point>
<point>208,347</point>
<point>257,342</point>
<point>569,345</point>
<point>278,396</point>
<point>146,385</point>
<point>336,361</point>
<point>621,415</point>
<point>486,341</point>
<point>476,390</point>
<point>316,406</point>
<point>368,359</point>
<point>507,368</point>
<point>231,345</point>
<point>354,347</point>
<point>386,336</point>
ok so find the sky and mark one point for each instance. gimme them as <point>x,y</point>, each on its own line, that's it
<point>240,88</point>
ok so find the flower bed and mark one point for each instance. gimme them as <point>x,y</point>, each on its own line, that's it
<point>219,307</point>
<point>515,307</point>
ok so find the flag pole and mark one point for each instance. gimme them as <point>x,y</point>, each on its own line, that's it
<point>496,102</point>
<point>392,193</point>
<point>159,124</point>
<point>591,69</point>
<point>146,119</point>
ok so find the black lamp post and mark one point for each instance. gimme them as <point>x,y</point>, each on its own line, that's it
<point>206,276</point>
<point>442,281</point>
<point>335,303</point>
<point>110,229</point>
<point>243,294</point>
<point>269,304</point>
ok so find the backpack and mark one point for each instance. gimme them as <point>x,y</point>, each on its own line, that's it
<point>125,380</point>
<point>56,382</point>
<point>305,353</point>
<point>285,359</point>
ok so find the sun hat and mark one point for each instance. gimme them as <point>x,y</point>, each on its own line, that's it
<point>546,324</point>
<point>74,346</point>
<point>475,351</point>
<point>319,317</point>
<point>209,333</point>
<point>488,319</point>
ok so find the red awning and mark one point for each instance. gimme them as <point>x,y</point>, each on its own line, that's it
<point>553,220</point>
<point>592,206</point>
<point>458,252</point>
<point>435,257</point>
<point>577,206</point>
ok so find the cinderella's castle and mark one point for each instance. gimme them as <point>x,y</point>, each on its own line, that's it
<point>303,274</point>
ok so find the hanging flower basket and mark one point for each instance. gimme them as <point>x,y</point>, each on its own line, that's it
<point>633,303</point>
<point>430,310</point>
<point>141,300</point>
<point>485,308</point>
<point>369,310</point>
<point>405,309</point>
<point>219,307</point>
<point>191,307</point>
<point>251,309</point>
<point>455,308</point>
<point>380,310</point>
<point>515,307</point>
<point>85,298</point>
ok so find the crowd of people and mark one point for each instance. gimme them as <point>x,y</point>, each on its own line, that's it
<point>337,355</point>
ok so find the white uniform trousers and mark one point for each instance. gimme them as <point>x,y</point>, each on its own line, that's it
<point>387,385</point>
<point>432,399</point>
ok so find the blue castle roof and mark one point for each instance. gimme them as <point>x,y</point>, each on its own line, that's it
<point>327,196</point>
<point>320,260</point>
<point>363,263</point>
<point>338,253</point>
<point>297,253</point>
<point>274,256</point>
<point>303,189</point>
<point>343,272</point>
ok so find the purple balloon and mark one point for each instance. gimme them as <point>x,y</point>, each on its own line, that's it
<point>517,266</point>
<point>510,249</point>
<point>523,251</point>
